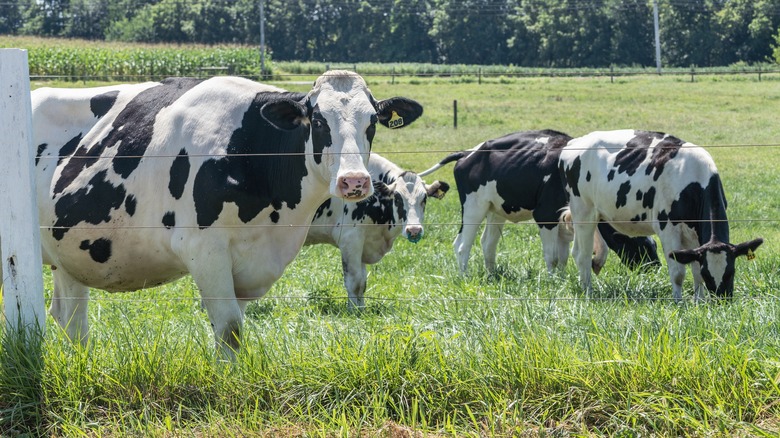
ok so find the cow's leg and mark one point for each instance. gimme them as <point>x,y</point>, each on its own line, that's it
<point>490,237</point>
<point>69,305</point>
<point>700,293</point>
<point>212,274</point>
<point>555,248</point>
<point>585,219</point>
<point>474,212</point>
<point>670,242</point>
<point>351,242</point>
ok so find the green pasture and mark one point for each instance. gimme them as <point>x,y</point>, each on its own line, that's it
<point>519,353</point>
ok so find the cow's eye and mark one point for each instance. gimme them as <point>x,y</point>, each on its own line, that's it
<point>319,124</point>
<point>371,131</point>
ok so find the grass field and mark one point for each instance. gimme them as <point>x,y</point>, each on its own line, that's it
<point>521,353</point>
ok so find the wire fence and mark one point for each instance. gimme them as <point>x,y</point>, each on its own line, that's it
<point>477,74</point>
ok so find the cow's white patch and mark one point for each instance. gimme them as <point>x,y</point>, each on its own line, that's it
<point>543,140</point>
<point>546,178</point>
<point>716,264</point>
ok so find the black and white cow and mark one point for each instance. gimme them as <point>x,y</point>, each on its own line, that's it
<point>141,184</point>
<point>515,178</point>
<point>364,231</point>
<point>646,183</point>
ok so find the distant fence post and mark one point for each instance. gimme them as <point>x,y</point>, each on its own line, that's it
<point>20,245</point>
<point>455,114</point>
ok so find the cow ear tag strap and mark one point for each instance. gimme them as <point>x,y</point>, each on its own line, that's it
<point>396,121</point>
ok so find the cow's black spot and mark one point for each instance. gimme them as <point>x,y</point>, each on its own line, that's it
<point>664,151</point>
<point>130,204</point>
<point>39,152</point>
<point>325,206</point>
<point>169,219</point>
<point>264,166</point>
<point>587,176</point>
<point>573,176</point>
<point>102,103</point>
<point>82,159</point>
<point>663,219</point>
<point>649,199</point>
<point>639,195</point>
<point>275,216</point>
<point>92,203</point>
<point>180,171</point>
<point>631,156</point>
<point>622,194</point>
<point>133,127</point>
<point>611,175</point>
<point>636,218</point>
<point>320,134</point>
<point>68,148</point>
<point>99,250</point>
<point>702,209</point>
<point>379,206</point>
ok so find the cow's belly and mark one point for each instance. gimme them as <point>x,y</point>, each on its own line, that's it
<point>120,261</point>
<point>638,224</point>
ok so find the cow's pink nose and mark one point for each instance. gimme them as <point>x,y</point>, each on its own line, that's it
<point>355,186</point>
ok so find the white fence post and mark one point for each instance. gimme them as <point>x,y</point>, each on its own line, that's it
<point>20,245</point>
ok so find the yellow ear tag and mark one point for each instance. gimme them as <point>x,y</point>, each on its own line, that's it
<point>750,254</point>
<point>396,121</point>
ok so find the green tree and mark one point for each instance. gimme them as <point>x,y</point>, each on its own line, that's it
<point>746,29</point>
<point>86,19</point>
<point>472,31</point>
<point>10,17</point>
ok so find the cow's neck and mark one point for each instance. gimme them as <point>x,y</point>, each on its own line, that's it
<point>714,222</point>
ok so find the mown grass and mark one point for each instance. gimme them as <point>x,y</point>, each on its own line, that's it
<point>521,353</point>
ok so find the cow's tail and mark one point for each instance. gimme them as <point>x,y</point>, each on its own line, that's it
<point>455,156</point>
<point>600,248</point>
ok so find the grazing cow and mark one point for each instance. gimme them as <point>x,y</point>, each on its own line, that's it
<point>646,183</point>
<point>139,185</point>
<point>515,178</point>
<point>365,231</point>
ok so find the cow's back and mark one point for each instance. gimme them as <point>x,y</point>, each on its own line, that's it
<point>633,177</point>
<point>523,166</point>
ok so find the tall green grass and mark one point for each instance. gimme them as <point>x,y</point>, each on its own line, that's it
<point>518,353</point>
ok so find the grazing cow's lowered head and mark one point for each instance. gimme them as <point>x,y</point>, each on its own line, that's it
<point>717,260</point>
<point>343,116</point>
<point>646,183</point>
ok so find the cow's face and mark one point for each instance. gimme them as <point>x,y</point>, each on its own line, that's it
<point>717,261</point>
<point>343,116</point>
<point>414,193</point>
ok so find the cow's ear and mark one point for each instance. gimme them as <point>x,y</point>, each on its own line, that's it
<point>685,256</point>
<point>747,248</point>
<point>285,114</point>
<point>437,189</point>
<point>398,112</point>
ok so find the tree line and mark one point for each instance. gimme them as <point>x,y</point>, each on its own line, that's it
<point>530,33</point>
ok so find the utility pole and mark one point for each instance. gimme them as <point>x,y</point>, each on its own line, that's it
<point>657,37</point>
<point>262,40</point>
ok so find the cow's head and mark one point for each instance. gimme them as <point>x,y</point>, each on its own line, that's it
<point>717,263</point>
<point>343,115</point>
<point>415,192</point>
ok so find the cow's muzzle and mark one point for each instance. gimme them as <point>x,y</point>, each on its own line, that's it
<point>354,186</point>
<point>414,233</point>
